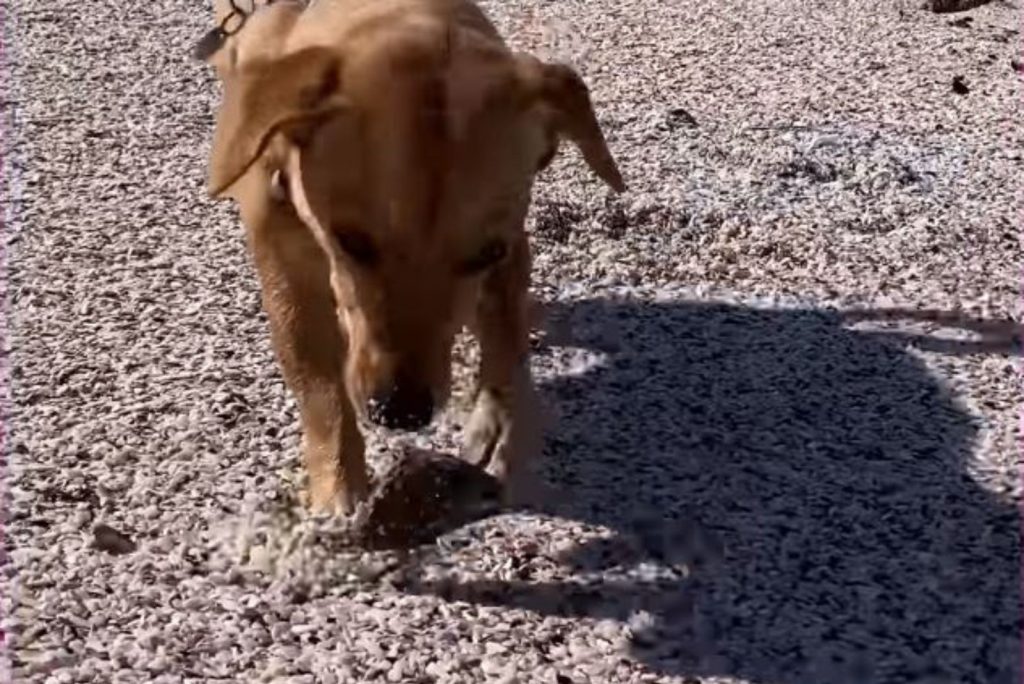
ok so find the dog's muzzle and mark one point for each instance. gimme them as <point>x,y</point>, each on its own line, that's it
<point>402,406</point>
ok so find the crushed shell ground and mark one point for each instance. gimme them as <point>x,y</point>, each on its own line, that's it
<point>782,368</point>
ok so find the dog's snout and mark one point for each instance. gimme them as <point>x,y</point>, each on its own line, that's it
<point>402,406</point>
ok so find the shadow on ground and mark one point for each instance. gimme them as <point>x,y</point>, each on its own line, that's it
<point>816,479</point>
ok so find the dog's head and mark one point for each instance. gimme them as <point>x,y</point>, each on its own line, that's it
<point>409,151</point>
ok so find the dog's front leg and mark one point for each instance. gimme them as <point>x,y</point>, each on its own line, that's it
<point>310,349</point>
<point>310,353</point>
<point>504,432</point>
<point>333,450</point>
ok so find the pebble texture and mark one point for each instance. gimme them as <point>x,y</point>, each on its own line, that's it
<point>780,371</point>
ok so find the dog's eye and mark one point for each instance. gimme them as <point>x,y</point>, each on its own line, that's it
<point>493,252</point>
<point>358,246</point>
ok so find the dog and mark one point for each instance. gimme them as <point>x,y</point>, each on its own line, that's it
<point>382,155</point>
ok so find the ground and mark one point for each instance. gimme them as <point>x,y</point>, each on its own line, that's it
<point>782,367</point>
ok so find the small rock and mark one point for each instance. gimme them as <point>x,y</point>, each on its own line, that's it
<point>48,662</point>
<point>609,629</point>
<point>157,664</point>
<point>491,666</point>
<point>678,115</point>
<point>580,650</point>
<point>261,559</point>
<point>397,672</point>
<point>437,669</point>
<point>81,518</point>
<point>960,86</point>
<point>281,632</point>
<point>106,538</point>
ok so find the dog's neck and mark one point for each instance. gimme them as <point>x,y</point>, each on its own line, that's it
<point>233,22</point>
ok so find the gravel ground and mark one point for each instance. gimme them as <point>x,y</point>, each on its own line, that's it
<point>782,366</point>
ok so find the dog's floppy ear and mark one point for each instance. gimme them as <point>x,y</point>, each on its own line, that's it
<point>564,94</point>
<point>290,94</point>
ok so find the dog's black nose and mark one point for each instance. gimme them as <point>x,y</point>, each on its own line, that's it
<point>401,407</point>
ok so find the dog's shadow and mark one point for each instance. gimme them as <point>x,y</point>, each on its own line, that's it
<point>817,481</point>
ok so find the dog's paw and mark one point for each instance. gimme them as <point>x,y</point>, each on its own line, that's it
<point>488,426</point>
<point>330,498</point>
<point>503,436</point>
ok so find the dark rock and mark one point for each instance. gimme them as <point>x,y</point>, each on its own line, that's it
<point>948,6</point>
<point>680,116</point>
<point>106,538</point>
<point>960,86</point>
<point>422,496</point>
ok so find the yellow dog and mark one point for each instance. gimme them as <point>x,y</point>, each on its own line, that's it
<point>382,154</point>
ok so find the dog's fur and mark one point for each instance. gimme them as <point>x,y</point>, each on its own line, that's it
<point>382,154</point>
